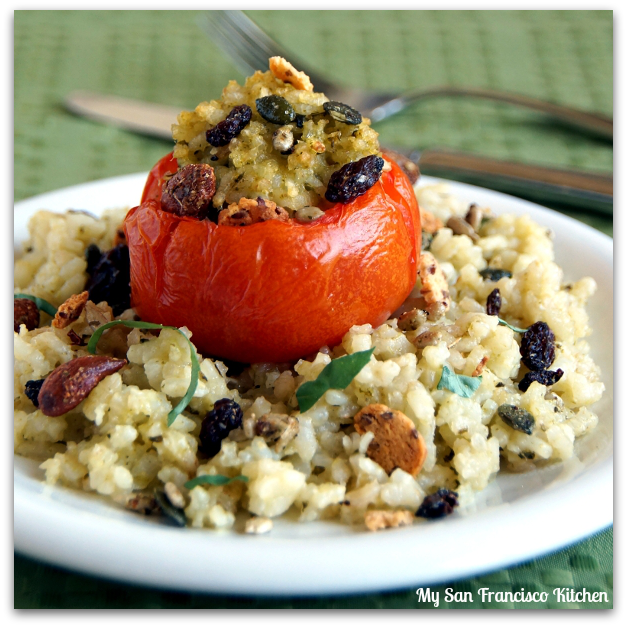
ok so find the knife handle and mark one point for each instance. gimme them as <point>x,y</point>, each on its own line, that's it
<point>572,187</point>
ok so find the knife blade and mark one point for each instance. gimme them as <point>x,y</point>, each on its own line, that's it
<point>573,188</point>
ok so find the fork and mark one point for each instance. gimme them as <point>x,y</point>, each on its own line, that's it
<point>250,48</point>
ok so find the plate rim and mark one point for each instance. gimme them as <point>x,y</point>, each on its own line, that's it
<point>257,581</point>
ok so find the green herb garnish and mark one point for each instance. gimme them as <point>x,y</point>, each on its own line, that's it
<point>136,324</point>
<point>213,480</point>
<point>42,304</point>
<point>335,376</point>
<point>458,383</point>
<point>513,328</point>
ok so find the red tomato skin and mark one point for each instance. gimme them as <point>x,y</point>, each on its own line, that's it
<point>275,291</point>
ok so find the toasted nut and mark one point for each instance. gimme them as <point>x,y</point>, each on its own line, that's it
<point>248,211</point>
<point>174,495</point>
<point>459,226</point>
<point>70,310</point>
<point>383,519</point>
<point>396,443</point>
<point>428,222</point>
<point>234,215</point>
<point>286,72</point>
<point>68,384</point>
<point>480,366</point>
<point>474,216</point>
<point>277,429</point>
<point>258,524</point>
<point>97,315</point>
<point>411,320</point>
<point>405,163</point>
<point>428,338</point>
<point>283,139</point>
<point>25,312</point>
<point>434,284</point>
<point>140,502</point>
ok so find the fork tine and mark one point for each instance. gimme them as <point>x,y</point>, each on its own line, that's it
<point>254,36</point>
<point>250,46</point>
<point>222,33</point>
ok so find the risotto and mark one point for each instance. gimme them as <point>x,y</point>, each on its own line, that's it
<point>484,368</point>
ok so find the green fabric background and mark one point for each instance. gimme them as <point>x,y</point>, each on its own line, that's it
<point>162,56</point>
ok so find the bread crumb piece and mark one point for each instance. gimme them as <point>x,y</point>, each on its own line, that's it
<point>396,443</point>
<point>70,310</point>
<point>286,72</point>
<point>383,519</point>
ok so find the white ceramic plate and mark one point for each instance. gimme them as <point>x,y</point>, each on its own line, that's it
<point>516,518</point>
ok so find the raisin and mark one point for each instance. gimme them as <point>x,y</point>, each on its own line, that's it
<point>110,279</point>
<point>439,504</point>
<point>75,338</point>
<point>31,389</point>
<point>275,109</point>
<point>342,113</point>
<point>92,256</point>
<point>494,274</point>
<point>493,304</point>
<point>190,191</point>
<point>25,312</point>
<point>517,418</point>
<point>354,179</point>
<point>225,416</point>
<point>543,377</point>
<point>537,346</point>
<point>234,123</point>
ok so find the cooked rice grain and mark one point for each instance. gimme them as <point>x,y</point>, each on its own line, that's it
<point>117,441</point>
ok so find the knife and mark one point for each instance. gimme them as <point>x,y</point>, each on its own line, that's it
<point>574,188</point>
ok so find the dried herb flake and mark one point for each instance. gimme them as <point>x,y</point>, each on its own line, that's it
<point>42,305</point>
<point>213,480</point>
<point>336,375</point>
<point>513,328</point>
<point>458,383</point>
<point>137,324</point>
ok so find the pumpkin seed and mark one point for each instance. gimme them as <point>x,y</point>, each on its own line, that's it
<point>275,109</point>
<point>175,514</point>
<point>517,418</point>
<point>494,274</point>
<point>459,226</point>
<point>342,113</point>
<point>474,216</point>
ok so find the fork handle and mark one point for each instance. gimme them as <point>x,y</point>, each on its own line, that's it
<point>570,187</point>
<point>596,123</point>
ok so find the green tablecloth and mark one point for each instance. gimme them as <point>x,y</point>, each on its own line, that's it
<point>565,56</point>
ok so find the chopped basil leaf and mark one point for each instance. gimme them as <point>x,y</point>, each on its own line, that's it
<point>137,324</point>
<point>513,328</point>
<point>42,304</point>
<point>335,376</point>
<point>458,383</point>
<point>213,480</point>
